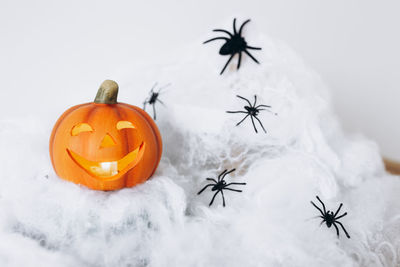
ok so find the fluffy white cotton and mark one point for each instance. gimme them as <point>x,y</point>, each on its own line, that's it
<point>50,222</point>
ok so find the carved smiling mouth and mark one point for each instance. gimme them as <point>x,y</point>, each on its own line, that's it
<point>109,169</point>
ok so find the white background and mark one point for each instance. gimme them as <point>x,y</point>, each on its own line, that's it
<point>354,45</point>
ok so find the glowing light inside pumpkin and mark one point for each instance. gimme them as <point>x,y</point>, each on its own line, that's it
<point>105,169</point>
<point>107,141</point>
<point>109,168</point>
<point>81,127</point>
<point>124,124</point>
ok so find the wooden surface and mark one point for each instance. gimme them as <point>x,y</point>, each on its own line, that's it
<point>392,166</point>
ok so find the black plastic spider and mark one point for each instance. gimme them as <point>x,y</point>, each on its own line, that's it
<point>220,185</point>
<point>252,111</point>
<point>153,98</point>
<point>329,218</point>
<point>236,44</point>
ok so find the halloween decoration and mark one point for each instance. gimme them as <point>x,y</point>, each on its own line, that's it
<point>105,145</point>
<point>153,98</point>
<point>329,218</point>
<point>220,185</point>
<point>252,111</point>
<point>235,44</point>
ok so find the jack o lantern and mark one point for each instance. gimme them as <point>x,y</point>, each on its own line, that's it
<point>105,145</point>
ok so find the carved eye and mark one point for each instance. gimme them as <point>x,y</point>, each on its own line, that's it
<point>125,124</point>
<point>81,127</point>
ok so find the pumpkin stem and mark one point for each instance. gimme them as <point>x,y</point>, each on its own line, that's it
<point>107,93</point>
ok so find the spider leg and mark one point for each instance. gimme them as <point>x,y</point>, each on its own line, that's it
<point>222,173</point>
<point>344,214</point>
<point>223,198</point>
<point>241,27</point>
<point>154,111</point>
<point>347,234</point>
<point>236,112</point>
<point>154,86</point>
<point>204,188</point>
<point>240,59</point>
<point>216,38</point>
<point>323,205</point>
<point>162,103</point>
<point>236,190</point>
<point>226,173</point>
<point>340,206</point>
<point>264,106</point>
<point>144,104</point>
<point>322,222</point>
<point>245,99</point>
<point>237,124</point>
<point>165,86</point>
<point>254,125</point>
<point>234,26</point>
<point>235,183</point>
<point>229,60</point>
<point>253,58</point>
<point>254,48</point>
<point>337,229</point>
<point>211,179</point>
<point>212,200</point>
<point>262,126</point>
<point>317,208</point>
<point>222,30</point>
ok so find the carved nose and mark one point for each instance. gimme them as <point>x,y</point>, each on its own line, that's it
<point>107,141</point>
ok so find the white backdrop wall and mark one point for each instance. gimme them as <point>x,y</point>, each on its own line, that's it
<point>354,45</point>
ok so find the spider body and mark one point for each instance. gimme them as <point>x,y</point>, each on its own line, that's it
<point>252,110</point>
<point>220,185</point>
<point>235,44</point>
<point>330,218</point>
<point>153,99</point>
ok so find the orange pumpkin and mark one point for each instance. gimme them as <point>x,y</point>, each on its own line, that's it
<point>105,145</point>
